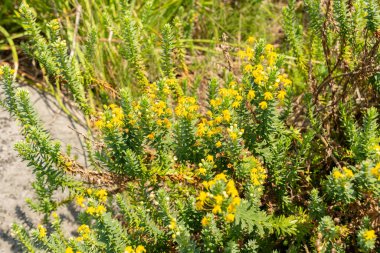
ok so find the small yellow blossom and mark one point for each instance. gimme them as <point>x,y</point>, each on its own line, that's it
<point>370,235</point>
<point>251,95</point>
<point>241,54</point>
<point>91,210</point>
<point>69,250</point>
<point>337,174</point>
<point>263,105</point>
<point>218,199</point>
<point>226,115</point>
<point>348,173</point>
<point>199,205</point>
<point>41,231</point>
<point>230,218</point>
<point>269,48</point>
<point>129,249</point>
<point>102,195</point>
<point>268,95</point>
<point>205,221</point>
<point>221,176</point>
<point>140,249</point>
<point>251,40</point>
<point>217,209</point>
<point>218,144</point>
<point>248,68</point>
<point>233,135</point>
<point>202,171</point>
<point>84,229</point>
<point>151,136</point>
<point>79,201</point>
<point>236,201</point>
<point>209,158</point>
<point>202,196</point>
<point>173,224</point>
<point>281,95</point>
<point>100,209</point>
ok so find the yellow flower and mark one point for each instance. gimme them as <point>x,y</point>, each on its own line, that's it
<point>231,189</point>
<point>337,174</point>
<point>348,173</point>
<point>100,209</point>
<point>79,201</point>
<point>272,56</point>
<point>233,135</point>
<point>102,195</point>
<point>375,171</point>
<point>248,68</point>
<point>263,105</point>
<point>235,104</point>
<point>209,158</point>
<point>236,201</point>
<point>218,144</point>
<point>202,171</point>
<point>268,95</point>
<point>251,95</point>
<point>55,215</point>
<point>202,196</point>
<point>269,48</point>
<point>69,250</point>
<point>230,218</point>
<point>41,231</point>
<point>129,249</point>
<point>217,209</point>
<point>251,40</point>
<point>91,210</point>
<point>173,224</point>
<point>84,229</point>
<point>241,54</point>
<point>226,115</point>
<point>281,95</point>
<point>140,249</point>
<point>89,191</point>
<point>199,205</point>
<point>205,221</point>
<point>151,136</point>
<point>370,235</point>
<point>221,176</point>
<point>218,199</point>
<point>231,208</point>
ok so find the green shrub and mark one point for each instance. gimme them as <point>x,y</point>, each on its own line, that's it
<point>229,170</point>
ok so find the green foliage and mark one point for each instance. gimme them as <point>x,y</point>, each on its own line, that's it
<point>238,160</point>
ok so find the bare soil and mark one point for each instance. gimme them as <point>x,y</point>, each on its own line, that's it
<point>16,177</point>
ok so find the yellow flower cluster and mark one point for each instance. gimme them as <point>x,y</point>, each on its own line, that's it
<point>112,120</point>
<point>219,202</point>
<point>375,171</point>
<point>187,107</point>
<point>101,195</point>
<point>258,175</point>
<point>84,230</point>
<point>344,174</point>
<point>268,88</point>
<point>207,128</point>
<point>369,235</point>
<point>41,231</point>
<point>70,250</point>
<point>138,249</point>
<point>96,211</point>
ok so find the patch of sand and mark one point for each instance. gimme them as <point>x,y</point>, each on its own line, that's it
<point>16,177</point>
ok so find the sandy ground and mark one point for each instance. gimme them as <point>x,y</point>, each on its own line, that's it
<point>16,177</point>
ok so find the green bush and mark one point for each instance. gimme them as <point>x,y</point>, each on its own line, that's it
<point>256,162</point>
